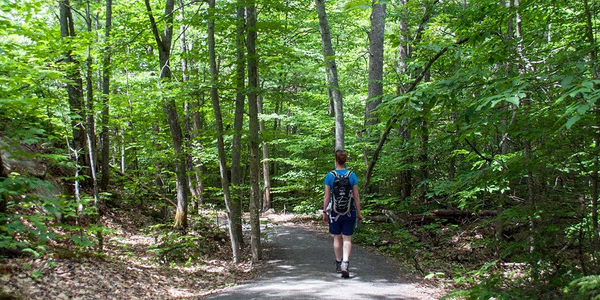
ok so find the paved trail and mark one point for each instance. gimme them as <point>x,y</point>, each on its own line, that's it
<point>302,268</point>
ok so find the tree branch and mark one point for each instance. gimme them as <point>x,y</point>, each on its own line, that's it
<point>431,61</point>
<point>425,19</point>
<point>488,159</point>
<point>153,24</point>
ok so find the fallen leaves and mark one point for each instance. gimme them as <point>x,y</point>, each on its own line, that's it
<point>125,270</point>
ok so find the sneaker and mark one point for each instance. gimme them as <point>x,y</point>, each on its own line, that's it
<point>338,266</point>
<point>344,266</point>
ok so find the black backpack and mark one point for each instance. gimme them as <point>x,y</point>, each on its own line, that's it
<point>341,195</point>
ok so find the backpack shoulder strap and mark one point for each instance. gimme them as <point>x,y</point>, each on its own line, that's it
<point>335,174</point>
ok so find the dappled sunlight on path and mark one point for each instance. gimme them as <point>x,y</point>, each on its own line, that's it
<point>302,267</point>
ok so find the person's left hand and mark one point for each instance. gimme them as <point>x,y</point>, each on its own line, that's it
<point>359,216</point>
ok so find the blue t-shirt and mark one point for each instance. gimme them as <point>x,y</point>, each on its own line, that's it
<point>329,179</point>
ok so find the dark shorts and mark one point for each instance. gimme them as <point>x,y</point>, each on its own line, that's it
<point>344,224</point>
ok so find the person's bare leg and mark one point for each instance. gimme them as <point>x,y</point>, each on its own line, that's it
<point>337,246</point>
<point>347,247</point>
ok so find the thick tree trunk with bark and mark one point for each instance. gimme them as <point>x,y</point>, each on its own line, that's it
<point>238,123</point>
<point>332,75</point>
<point>254,138</point>
<point>375,85</point>
<point>214,95</point>
<point>164,53</point>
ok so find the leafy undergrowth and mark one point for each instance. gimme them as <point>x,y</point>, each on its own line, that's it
<point>461,258</point>
<point>140,260</point>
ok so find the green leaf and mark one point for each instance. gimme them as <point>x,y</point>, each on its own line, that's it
<point>566,81</point>
<point>582,109</point>
<point>514,100</point>
<point>356,4</point>
<point>32,252</point>
<point>572,121</point>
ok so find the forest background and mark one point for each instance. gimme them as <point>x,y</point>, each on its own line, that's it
<point>473,120</point>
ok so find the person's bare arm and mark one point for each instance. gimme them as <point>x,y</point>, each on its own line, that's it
<point>326,198</point>
<point>357,202</point>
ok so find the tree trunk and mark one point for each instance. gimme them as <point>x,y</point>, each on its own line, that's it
<point>424,158</point>
<point>375,86</point>
<point>192,183</point>
<point>91,152</point>
<point>404,54</point>
<point>74,83</point>
<point>266,169</point>
<point>189,161</point>
<point>89,87</point>
<point>106,73</point>
<point>589,35</point>
<point>406,175</point>
<point>524,66</point>
<point>197,126</point>
<point>332,76</point>
<point>198,96</point>
<point>164,52</point>
<point>238,123</point>
<point>254,138</point>
<point>214,95</point>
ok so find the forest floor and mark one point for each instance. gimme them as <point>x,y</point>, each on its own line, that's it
<point>139,261</point>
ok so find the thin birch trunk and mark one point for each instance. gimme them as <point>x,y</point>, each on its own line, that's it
<point>332,75</point>
<point>266,168</point>
<point>90,121</point>
<point>214,95</point>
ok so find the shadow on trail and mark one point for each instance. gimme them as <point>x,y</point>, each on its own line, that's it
<point>302,267</point>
